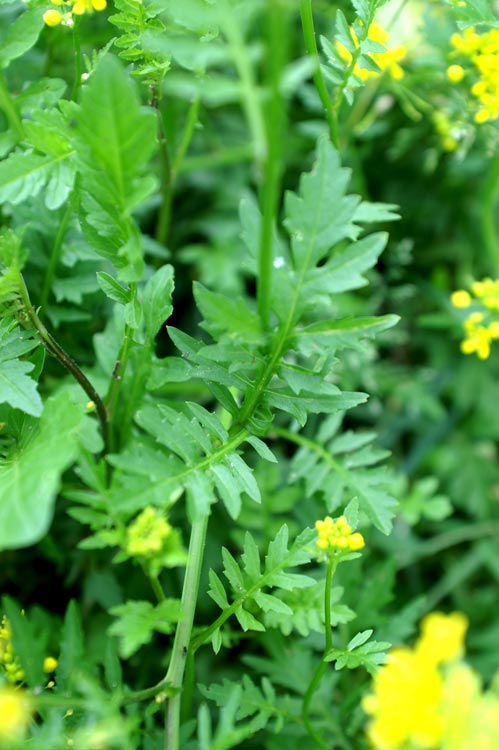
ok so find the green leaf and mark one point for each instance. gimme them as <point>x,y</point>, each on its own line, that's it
<point>137,621</point>
<point>113,289</point>
<point>115,140</point>
<point>72,647</point>
<point>221,314</point>
<point>29,481</point>
<point>17,389</point>
<point>338,334</point>
<point>23,175</point>
<point>157,300</point>
<point>344,271</point>
<point>21,35</point>
<point>313,225</point>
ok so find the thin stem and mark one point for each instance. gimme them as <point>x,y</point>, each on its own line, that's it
<point>183,632</point>
<point>489,210</point>
<point>307,22</point>
<point>273,163</point>
<point>219,158</point>
<point>332,564</point>
<point>54,348</point>
<point>157,588</point>
<point>77,53</point>
<point>250,96</point>
<point>54,257</point>
<point>172,170</point>
<point>8,105</point>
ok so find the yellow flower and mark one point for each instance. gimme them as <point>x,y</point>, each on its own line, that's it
<point>461,299</point>
<point>15,713</point>
<point>482,51</point>
<point>146,534</point>
<point>387,61</point>
<point>87,6</point>
<point>397,719</point>
<point>455,73</point>
<point>442,637</point>
<point>337,535</point>
<point>50,664</point>
<point>52,17</point>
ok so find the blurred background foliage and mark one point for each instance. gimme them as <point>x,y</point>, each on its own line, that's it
<point>412,142</point>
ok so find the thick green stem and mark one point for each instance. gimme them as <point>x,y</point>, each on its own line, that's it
<point>250,96</point>
<point>54,348</point>
<point>307,22</point>
<point>277,49</point>
<point>172,170</point>
<point>332,564</point>
<point>489,216</point>
<point>54,258</point>
<point>8,106</point>
<point>183,632</point>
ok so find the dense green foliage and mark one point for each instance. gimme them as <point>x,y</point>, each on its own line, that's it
<point>226,261</point>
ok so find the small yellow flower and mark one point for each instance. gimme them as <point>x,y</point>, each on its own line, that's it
<point>50,664</point>
<point>337,535</point>
<point>87,6</point>
<point>15,714</point>
<point>386,61</point>
<point>455,73</point>
<point>461,299</point>
<point>146,534</point>
<point>52,17</point>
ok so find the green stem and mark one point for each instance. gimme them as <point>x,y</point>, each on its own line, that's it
<point>183,632</point>
<point>54,258</point>
<point>157,588</point>
<point>77,53</point>
<point>8,105</point>
<point>277,49</point>
<point>54,348</point>
<point>332,564</point>
<point>489,211</point>
<point>172,170</point>
<point>219,158</point>
<point>250,96</point>
<point>307,22</point>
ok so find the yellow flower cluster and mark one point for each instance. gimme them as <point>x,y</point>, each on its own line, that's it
<point>70,8</point>
<point>8,659</point>
<point>483,52</point>
<point>337,536</point>
<point>387,61</point>
<point>481,327</point>
<point>426,698</point>
<point>15,713</point>
<point>147,533</point>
